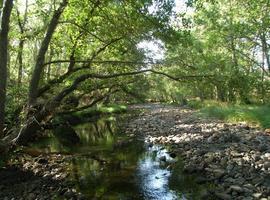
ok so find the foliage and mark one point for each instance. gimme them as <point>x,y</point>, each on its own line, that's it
<point>98,39</point>
<point>223,39</point>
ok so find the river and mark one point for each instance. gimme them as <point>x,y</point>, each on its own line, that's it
<point>109,164</point>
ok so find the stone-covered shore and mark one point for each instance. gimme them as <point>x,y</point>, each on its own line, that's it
<point>233,157</point>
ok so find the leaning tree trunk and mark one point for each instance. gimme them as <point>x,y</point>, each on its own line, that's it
<point>4,28</point>
<point>34,123</point>
<point>39,66</point>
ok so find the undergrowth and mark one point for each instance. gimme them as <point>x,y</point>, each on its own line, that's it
<point>251,114</point>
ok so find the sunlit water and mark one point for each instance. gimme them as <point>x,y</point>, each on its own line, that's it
<point>107,164</point>
<point>153,178</point>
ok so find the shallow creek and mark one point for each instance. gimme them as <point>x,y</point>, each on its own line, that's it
<point>108,164</point>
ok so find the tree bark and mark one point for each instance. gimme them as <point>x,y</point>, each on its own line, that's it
<point>21,43</point>
<point>265,50</point>
<point>39,66</point>
<point>20,60</point>
<point>4,29</point>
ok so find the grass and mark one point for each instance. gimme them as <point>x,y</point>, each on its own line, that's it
<point>251,114</point>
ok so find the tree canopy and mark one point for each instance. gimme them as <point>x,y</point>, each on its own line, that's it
<point>89,51</point>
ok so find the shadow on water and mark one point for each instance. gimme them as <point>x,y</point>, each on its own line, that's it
<point>107,164</point>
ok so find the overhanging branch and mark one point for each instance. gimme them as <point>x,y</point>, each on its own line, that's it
<point>105,62</point>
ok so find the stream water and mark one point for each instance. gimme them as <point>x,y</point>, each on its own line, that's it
<point>108,164</point>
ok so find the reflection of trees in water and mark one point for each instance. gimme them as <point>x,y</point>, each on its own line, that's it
<point>75,170</point>
<point>87,175</point>
<point>108,125</point>
<point>96,131</point>
<point>66,135</point>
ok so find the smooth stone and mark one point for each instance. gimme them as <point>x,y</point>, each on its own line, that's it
<point>266,165</point>
<point>257,195</point>
<point>223,196</point>
<point>219,173</point>
<point>236,188</point>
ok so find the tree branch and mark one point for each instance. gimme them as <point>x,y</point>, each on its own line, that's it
<point>105,62</point>
<point>71,68</point>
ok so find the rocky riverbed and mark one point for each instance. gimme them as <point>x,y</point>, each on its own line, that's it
<point>235,158</point>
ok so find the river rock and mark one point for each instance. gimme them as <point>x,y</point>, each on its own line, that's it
<point>237,188</point>
<point>218,173</point>
<point>257,195</point>
<point>266,165</point>
<point>223,196</point>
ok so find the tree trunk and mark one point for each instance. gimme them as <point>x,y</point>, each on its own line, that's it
<point>39,66</point>
<point>4,29</point>
<point>20,60</point>
<point>262,88</point>
<point>48,75</point>
<point>33,124</point>
<point>221,93</point>
<point>21,43</point>
<point>265,50</point>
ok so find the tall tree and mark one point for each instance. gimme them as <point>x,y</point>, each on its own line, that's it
<point>39,66</point>
<point>21,24</point>
<point>4,29</point>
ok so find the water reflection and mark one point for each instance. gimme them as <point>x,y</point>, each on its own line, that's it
<point>109,165</point>
<point>153,178</point>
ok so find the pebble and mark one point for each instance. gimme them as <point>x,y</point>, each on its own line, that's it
<point>257,195</point>
<point>223,196</point>
<point>266,165</point>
